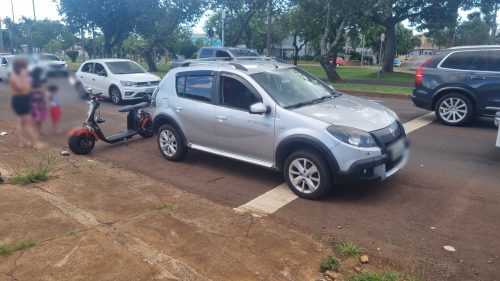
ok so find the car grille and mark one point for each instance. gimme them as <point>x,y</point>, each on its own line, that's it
<point>386,136</point>
<point>148,84</point>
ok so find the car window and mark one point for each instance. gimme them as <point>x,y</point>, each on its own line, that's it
<point>4,61</point>
<point>88,67</point>
<point>244,53</point>
<point>494,60</point>
<point>206,53</point>
<point>124,67</point>
<point>460,60</point>
<point>48,57</point>
<point>234,93</point>
<point>99,68</point>
<point>222,54</point>
<point>481,62</point>
<point>197,87</point>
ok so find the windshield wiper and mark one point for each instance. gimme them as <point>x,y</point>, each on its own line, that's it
<point>322,99</point>
<point>300,104</point>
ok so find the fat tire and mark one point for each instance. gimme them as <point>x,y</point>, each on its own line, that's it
<point>180,154</point>
<point>147,131</point>
<point>75,144</point>
<point>468,103</point>
<point>326,178</point>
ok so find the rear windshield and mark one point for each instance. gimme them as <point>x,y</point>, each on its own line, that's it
<point>244,53</point>
<point>124,67</point>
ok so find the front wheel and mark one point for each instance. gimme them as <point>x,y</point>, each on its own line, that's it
<point>454,109</point>
<point>307,174</point>
<point>81,144</point>
<point>115,95</point>
<point>170,143</point>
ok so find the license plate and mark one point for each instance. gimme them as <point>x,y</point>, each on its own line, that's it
<point>397,149</point>
<point>150,90</point>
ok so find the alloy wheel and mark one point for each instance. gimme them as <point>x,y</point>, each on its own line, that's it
<point>168,143</point>
<point>115,96</point>
<point>453,110</point>
<point>304,175</point>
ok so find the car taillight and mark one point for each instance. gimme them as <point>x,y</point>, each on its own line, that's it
<point>419,76</point>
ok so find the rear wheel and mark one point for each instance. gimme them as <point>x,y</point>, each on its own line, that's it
<point>81,144</point>
<point>115,95</point>
<point>170,143</point>
<point>307,174</point>
<point>454,109</point>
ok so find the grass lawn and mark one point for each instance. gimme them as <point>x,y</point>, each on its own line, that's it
<point>361,73</point>
<point>383,89</point>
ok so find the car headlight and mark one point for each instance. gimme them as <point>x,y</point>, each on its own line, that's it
<point>352,136</point>
<point>128,83</point>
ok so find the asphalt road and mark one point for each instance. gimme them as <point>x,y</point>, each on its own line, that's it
<point>448,194</point>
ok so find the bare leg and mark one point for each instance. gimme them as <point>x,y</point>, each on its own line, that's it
<point>20,131</point>
<point>32,132</point>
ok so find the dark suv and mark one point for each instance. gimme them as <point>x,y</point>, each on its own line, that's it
<point>460,83</point>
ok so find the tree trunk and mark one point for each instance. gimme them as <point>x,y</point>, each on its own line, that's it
<point>330,69</point>
<point>148,54</point>
<point>493,25</point>
<point>296,49</point>
<point>390,47</point>
<point>451,38</point>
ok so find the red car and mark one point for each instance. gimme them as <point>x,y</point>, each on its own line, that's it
<point>339,62</point>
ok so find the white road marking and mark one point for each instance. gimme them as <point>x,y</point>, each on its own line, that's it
<point>281,195</point>
<point>269,202</point>
<point>419,122</point>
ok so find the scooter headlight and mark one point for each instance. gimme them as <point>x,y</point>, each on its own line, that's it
<point>352,136</point>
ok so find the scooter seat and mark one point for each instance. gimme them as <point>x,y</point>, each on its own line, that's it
<point>133,107</point>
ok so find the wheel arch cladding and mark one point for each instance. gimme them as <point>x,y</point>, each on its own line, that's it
<point>447,91</point>
<point>294,143</point>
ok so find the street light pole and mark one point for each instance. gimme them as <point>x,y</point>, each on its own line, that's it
<point>382,38</point>
<point>223,26</point>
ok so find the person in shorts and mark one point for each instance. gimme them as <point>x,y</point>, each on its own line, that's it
<point>55,108</point>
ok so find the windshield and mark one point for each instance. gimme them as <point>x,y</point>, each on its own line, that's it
<point>243,53</point>
<point>49,58</point>
<point>124,67</point>
<point>293,87</point>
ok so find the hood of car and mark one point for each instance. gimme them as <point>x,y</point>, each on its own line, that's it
<point>350,111</point>
<point>137,77</point>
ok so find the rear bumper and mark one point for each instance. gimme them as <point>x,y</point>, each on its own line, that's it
<point>422,99</point>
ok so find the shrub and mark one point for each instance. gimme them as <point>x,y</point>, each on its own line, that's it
<point>330,263</point>
<point>72,55</point>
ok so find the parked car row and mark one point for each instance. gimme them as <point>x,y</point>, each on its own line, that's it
<point>51,64</point>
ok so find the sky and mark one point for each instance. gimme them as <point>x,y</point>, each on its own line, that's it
<point>48,9</point>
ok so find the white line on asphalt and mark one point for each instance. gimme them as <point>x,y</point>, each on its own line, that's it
<point>419,122</point>
<point>281,195</point>
<point>269,202</point>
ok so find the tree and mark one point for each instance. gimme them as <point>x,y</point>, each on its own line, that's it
<point>389,13</point>
<point>159,19</point>
<point>114,18</point>
<point>405,41</point>
<point>490,10</point>
<point>473,32</point>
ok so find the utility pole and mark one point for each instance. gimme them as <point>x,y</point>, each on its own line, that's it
<point>12,45</point>
<point>363,50</point>
<point>223,26</point>
<point>269,27</point>
<point>34,14</point>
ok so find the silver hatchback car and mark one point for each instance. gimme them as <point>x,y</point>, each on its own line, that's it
<point>278,116</point>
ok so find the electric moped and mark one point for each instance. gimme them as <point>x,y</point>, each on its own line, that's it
<point>82,139</point>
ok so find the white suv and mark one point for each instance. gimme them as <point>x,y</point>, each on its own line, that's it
<point>119,79</point>
<point>280,117</point>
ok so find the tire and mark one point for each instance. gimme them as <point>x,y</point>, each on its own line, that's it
<point>170,143</point>
<point>147,131</point>
<point>454,109</point>
<point>80,144</point>
<point>309,186</point>
<point>115,95</point>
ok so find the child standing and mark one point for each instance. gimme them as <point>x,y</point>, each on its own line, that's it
<point>55,108</point>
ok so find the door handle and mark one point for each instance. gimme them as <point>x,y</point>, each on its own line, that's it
<point>477,77</point>
<point>178,108</point>
<point>221,117</point>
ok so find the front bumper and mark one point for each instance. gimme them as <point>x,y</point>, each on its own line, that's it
<point>131,93</point>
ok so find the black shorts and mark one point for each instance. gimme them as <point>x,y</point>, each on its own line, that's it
<point>21,104</point>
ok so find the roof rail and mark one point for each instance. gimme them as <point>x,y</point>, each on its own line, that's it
<point>187,63</point>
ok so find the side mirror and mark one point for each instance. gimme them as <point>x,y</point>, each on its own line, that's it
<point>259,108</point>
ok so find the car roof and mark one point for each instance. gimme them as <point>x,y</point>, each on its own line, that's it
<point>105,60</point>
<point>250,65</point>
<point>474,47</point>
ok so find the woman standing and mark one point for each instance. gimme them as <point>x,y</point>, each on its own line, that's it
<point>20,86</point>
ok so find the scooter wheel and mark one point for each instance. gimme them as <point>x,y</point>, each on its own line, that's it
<point>81,144</point>
<point>147,131</point>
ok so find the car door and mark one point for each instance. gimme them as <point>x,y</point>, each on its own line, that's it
<point>487,77</point>
<point>194,107</point>
<point>100,79</point>
<point>86,73</point>
<point>238,131</point>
